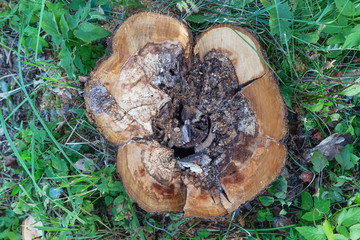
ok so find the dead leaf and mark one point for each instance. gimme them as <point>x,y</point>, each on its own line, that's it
<point>329,65</point>
<point>80,164</point>
<point>330,146</point>
<point>317,136</point>
<point>28,230</point>
<point>11,162</point>
<point>84,79</point>
<point>282,221</point>
<point>299,66</point>
<point>306,176</point>
<point>312,55</point>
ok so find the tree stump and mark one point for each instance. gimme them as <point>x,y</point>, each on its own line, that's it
<point>199,129</point>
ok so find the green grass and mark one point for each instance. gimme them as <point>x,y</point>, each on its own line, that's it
<point>64,174</point>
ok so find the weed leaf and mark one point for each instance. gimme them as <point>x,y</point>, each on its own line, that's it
<point>72,20</point>
<point>67,62</point>
<point>312,233</point>
<point>280,18</point>
<point>349,217</point>
<point>266,200</point>
<point>322,205</point>
<point>336,39</point>
<point>340,237</point>
<point>347,8</point>
<point>306,200</point>
<point>343,231</point>
<point>328,230</point>
<point>312,216</point>
<point>353,40</point>
<point>279,188</point>
<point>89,32</point>
<point>287,93</point>
<point>315,107</point>
<point>352,90</point>
<point>64,27</point>
<point>319,161</point>
<point>344,158</point>
<point>355,231</point>
<point>49,24</point>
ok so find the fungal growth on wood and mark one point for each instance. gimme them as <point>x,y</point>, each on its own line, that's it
<point>199,129</point>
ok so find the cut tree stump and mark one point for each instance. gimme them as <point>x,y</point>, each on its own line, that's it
<point>200,128</point>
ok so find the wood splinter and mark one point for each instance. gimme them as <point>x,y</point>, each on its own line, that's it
<point>200,128</point>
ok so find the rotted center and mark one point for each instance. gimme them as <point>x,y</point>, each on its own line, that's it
<point>207,114</point>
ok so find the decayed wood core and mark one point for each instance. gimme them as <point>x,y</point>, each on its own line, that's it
<point>206,116</point>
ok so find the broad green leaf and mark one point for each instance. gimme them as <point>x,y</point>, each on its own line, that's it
<point>336,39</point>
<point>347,8</point>
<point>315,107</point>
<point>108,200</point>
<point>280,18</point>
<point>204,233</point>
<point>89,32</point>
<point>287,93</point>
<point>312,216</point>
<point>306,200</point>
<point>353,90</point>
<point>72,20</point>
<point>67,62</point>
<point>355,231</point>
<point>343,231</point>
<point>357,198</point>
<point>76,4</point>
<point>340,237</point>
<point>264,215</point>
<point>322,205</point>
<point>119,199</point>
<point>344,157</point>
<point>349,217</point>
<point>294,3</point>
<point>64,27</point>
<point>319,161</point>
<point>311,37</point>
<point>353,40</point>
<point>266,200</point>
<point>31,41</point>
<point>97,15</point>
<point>57,9</point>
<point>49,24</point>
<point>340,180</point>
<point>83,12</point>
<point>312,233</point>
<point>279,188</point>
<point>336,27</point>
<point>115,186</point>
<point>328,230</point>
<point>354,159</point>
<point>58,163</point>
